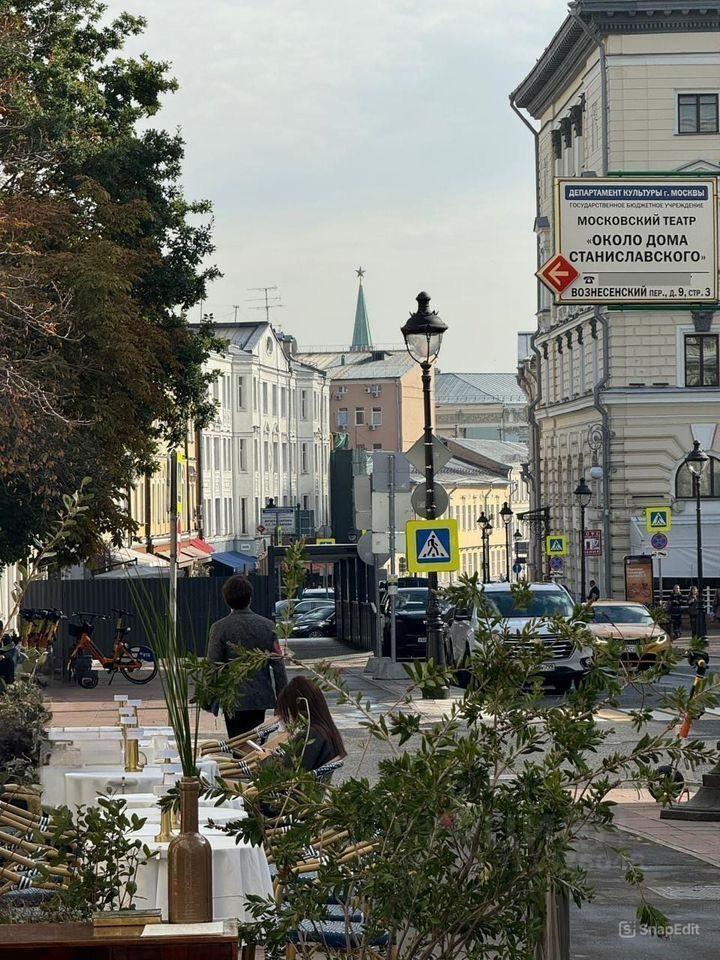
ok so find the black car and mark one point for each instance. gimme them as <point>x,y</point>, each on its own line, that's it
<point>318,623</point>
<point>410,623</point>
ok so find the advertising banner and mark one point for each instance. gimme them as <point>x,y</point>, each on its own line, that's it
<point>639,579</point>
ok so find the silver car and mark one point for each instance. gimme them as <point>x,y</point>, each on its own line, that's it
<point>565,663</point>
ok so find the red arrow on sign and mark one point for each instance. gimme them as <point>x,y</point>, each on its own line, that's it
<point>558,273</point>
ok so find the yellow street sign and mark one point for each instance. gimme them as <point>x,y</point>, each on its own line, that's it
<point>658,519</point>
<point>556,545</point>
<point>432,546</point>
<point>319,540</point>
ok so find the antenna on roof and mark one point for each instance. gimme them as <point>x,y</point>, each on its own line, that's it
<point>268,303</point>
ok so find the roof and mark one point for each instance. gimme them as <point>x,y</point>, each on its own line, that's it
<point>478,388</point>
<point>361,338</point>
<point>457,470</point>
<point>389,369</point>
<point>341,356</point>
<point>502,451</point>
<point>565,55</point>
<point>244,335</point>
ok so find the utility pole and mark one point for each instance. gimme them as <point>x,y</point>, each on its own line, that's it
<point>267,303</point>
<point>236,307</point>
<point>392,586</point>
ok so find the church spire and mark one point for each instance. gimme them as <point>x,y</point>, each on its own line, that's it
<point>361,331</point>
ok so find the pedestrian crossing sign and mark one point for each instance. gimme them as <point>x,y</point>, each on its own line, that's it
<point>432,546</point>
<point>658,519</point>
<point>556,545</point>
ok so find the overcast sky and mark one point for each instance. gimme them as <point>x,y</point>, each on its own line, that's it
<point>335,133</point>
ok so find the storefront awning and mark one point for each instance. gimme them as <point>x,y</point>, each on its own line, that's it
<point>236,562</point>
<point>201,545</point>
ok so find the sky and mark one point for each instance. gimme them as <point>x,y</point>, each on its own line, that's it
<point>332,134</point>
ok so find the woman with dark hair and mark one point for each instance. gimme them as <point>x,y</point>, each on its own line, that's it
<point>302,700</point>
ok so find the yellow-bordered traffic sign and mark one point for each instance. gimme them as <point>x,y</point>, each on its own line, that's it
<point>321,540</point>
<point>556,545</point>
<point>658,519</point>
<point>432,546</point>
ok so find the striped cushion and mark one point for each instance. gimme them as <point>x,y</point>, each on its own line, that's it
<point>335,934</point>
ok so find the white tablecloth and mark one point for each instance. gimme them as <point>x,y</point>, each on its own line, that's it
<point>238,870</point>
<point>84,786</point>
<point>143,804</point>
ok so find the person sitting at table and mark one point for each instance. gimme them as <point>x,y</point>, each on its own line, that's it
<point>302,700</point>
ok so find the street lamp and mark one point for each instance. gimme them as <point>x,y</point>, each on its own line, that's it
<point>584,496</point>
<point>507,514</point>
<point>517,537</point>
<point>485,531</point>
<point>423,333</point>
<point>696,461</point>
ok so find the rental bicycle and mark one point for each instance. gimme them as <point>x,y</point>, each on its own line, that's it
<point>136,663</point>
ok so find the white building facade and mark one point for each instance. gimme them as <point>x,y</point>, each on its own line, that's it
<point>624,390</point>
<point>270,439</point>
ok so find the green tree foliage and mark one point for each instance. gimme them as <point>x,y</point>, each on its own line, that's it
<point>101,257</point>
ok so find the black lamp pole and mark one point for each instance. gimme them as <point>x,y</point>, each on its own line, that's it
<point>517,537</point>
<point>485,528</point>
<point>423,333</point>
<point>507,514</point>
<point>696,461</point>
<point>584,495</point>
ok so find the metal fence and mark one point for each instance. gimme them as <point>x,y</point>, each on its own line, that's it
<point>200,603</point>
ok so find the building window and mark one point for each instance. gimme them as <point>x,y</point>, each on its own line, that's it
<point>242,459</point>
<point>376,417</point>
<point>701,360</point>
<point>303,405</point>
<point>342,417</point>
<point>255,394</point>
<point>218,516</point>
<point>359,416</point>
<point>303,458</point>
<point>276,457</point>
<point>216,452</point>
<point>697,113</point>
<point>283,401</point>
<point>266,455</point>
<point>306,502</point>
<point>241,393</point>
<point>265,397</point>
<point>377,446</point>
<point>243,515</point>
<point>709,481</point>
<point>274,399</point>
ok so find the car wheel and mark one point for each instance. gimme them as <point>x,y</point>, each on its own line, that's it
<point>316,633</point>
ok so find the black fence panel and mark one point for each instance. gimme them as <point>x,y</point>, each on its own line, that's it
<point>200,603</point>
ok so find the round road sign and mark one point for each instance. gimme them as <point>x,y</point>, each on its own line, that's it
<point>517,567</point>
<point>441,500</point>
<point>659,541</point>
<point>556,564</point>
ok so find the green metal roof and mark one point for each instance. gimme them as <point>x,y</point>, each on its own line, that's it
<point>361,339</point>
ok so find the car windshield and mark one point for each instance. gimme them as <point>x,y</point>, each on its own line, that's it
<point>545,603</point>
<point>412,599</point>
<point>622,615</point>
<point>319,614</point>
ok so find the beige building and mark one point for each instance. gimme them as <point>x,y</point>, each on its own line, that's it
<point>624,391</point>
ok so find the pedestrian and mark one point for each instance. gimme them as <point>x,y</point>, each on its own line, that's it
<point>318,739</point>
<point>593,592</point>
<point>694,611</point>
<point>244,628</point>
<point>674,609</point>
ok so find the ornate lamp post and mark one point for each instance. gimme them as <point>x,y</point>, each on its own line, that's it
<point>423,333</point>
<point>482,522</point>
<point>507,514</point>
<point>696,461</point>
<point>517,537</point>
<point>584,496</point>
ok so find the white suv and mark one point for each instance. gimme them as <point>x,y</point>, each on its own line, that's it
<point>565,663</point>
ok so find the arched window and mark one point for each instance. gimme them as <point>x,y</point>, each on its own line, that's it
<point>709,481</point>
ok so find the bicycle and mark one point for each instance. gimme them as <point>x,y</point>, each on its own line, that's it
<point>127,660</point>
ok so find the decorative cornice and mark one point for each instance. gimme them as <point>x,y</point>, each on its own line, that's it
<point>567,52</point>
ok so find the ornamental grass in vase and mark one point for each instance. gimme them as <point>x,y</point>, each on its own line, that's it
<point>190,897</point>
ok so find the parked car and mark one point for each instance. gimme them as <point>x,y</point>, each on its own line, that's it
<point>410,623</point>
<point>318,593</point>
<point>632,623</point>
<point>564,665</point>
<point>318,623</point>
<point>302,606</point>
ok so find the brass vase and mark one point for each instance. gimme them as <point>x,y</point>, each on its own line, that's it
<point>189,863</point>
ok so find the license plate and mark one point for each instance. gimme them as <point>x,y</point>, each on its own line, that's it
<point>547,666</point>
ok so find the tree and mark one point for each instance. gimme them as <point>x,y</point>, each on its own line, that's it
<point>467,833</point>
<point>100,258</point>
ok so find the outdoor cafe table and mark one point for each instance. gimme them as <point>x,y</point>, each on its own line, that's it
<point>239,869</point>
<point>82,787</point>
